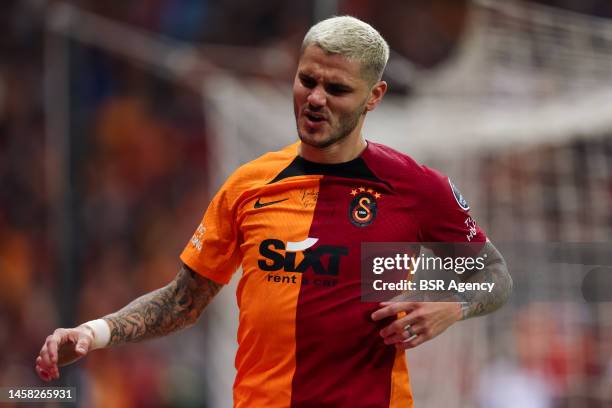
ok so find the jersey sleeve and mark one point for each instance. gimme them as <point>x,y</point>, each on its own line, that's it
<point>214,251</point>
<point>445,215</point>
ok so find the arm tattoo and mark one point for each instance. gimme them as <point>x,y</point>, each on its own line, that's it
<point>478,303</point>
<point>163,311</point>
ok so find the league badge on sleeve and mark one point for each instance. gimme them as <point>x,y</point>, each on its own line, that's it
<point>458,197</point>
<point>198,237</point>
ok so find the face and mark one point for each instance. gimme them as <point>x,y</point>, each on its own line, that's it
<point>331,98</point>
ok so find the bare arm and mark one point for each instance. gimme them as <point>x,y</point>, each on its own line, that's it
<point>425,320</point>
<point>163,311</point>
<point>479,303</point>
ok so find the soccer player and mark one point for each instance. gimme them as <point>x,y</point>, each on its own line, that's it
<point>295,220</point>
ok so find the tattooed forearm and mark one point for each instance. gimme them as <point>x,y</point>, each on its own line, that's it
<point>478,303</point>
<point>163,311</point>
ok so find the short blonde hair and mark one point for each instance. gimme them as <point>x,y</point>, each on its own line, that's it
<point>353,39</point>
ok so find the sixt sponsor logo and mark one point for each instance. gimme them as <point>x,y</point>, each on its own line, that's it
<point>322,260</point>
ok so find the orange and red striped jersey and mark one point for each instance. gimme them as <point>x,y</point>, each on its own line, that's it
<point>305,338</point>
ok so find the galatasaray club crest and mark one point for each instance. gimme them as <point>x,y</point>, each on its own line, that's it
<point>362,210</point>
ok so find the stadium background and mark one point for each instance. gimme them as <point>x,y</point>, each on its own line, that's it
<point>118,120</point>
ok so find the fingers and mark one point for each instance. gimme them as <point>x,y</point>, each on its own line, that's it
<point>426,320</point>
<point>83,344</point>
<point>404,336</point>
<point>46,354</point>
<point>52,343</point>
<point>46,362</point>
<point>399,325</point>
<point>406,331</point>
<point>46,373</point>
<point>414,341</point>
<point>42,374</point>
<point>392,309</point>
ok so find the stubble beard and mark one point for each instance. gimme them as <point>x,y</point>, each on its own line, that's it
<point>348,123</point>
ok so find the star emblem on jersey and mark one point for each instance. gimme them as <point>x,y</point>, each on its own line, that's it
<point>364,206</point>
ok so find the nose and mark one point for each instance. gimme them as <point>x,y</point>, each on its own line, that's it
<point>317,97</point>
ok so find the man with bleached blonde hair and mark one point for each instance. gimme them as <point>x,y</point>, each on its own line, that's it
<point>353,39</point>
<point>295,220</point>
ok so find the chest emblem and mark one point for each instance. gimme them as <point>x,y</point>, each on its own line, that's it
<point>363,206</point>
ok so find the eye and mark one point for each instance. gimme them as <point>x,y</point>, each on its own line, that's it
<point>337,89</point>
<point>307,81</point>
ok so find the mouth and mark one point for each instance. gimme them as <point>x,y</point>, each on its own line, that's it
<point>314,118</point>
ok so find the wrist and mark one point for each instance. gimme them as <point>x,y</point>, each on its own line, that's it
<point>463,306</point>
<point>100,332</point>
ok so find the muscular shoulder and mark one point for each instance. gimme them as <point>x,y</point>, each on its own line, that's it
<point>260,171</point>
<point>391,164</point>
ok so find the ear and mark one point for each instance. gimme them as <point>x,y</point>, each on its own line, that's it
<point>376,94</point>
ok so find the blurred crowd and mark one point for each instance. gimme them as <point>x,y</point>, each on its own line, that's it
<point>138,186</point>
<point>27,304</point>
<point>139,183</point>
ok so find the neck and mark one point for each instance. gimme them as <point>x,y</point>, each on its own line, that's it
<point>342,151</point>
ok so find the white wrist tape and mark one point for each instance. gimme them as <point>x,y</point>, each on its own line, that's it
<point>101,333</point>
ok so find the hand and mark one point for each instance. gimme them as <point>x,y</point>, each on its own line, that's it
<point>419,322</point>
<point>63,347</point>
